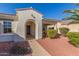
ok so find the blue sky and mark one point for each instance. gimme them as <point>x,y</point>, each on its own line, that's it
<point>49,10</point>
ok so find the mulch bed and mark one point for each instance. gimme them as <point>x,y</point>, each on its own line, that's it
<point>6,46</point>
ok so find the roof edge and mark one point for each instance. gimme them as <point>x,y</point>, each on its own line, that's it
<point>21,9</point>
<point>8,14</point>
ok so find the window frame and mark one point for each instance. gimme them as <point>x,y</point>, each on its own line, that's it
<point>7,26</point>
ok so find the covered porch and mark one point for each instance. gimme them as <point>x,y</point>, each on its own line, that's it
<point>48,24</point>
<point>30,28</point>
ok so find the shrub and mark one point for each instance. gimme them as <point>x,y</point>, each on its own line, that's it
<point>64,31</point>
<point>18,50</point>
<point>51,33</point>
<point>74,38</point>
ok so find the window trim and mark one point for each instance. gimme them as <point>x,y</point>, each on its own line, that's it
<point>7,26</point>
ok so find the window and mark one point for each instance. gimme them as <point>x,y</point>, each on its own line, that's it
<point>7,26</point>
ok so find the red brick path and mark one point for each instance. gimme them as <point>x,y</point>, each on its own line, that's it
<point>59,47</point>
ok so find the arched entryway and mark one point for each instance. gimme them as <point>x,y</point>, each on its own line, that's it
<point>30,29</point>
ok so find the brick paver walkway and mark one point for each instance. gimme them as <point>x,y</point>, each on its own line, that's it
<point>37,49</point>
<point>59,47</point>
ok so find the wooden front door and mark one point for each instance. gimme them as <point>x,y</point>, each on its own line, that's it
<point>28,30</point>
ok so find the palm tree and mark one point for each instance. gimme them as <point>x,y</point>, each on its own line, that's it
<point>74,14</point>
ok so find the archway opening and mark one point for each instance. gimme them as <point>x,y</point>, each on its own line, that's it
<point>30,29</point>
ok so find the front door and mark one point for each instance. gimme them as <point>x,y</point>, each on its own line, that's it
<point>28,30</point>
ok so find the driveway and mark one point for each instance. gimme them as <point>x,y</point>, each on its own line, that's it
<point>59,47</point>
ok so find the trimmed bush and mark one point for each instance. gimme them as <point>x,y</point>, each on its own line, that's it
<point>51,33</point>
<point>74,38</point>
<point>64,31</point>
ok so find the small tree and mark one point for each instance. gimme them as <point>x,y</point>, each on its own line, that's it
<point>64,31</point>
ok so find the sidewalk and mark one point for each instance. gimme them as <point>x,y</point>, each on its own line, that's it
<point>37,49</point>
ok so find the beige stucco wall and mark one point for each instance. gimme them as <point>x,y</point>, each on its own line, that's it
<point>64,26</point>
<point>33,30</point>
<point>14,26</point>
<point>23,17</point>
<point>57,26</point>
<point>38,33</point>
<point>73,27</point>
<point>1,27</point>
